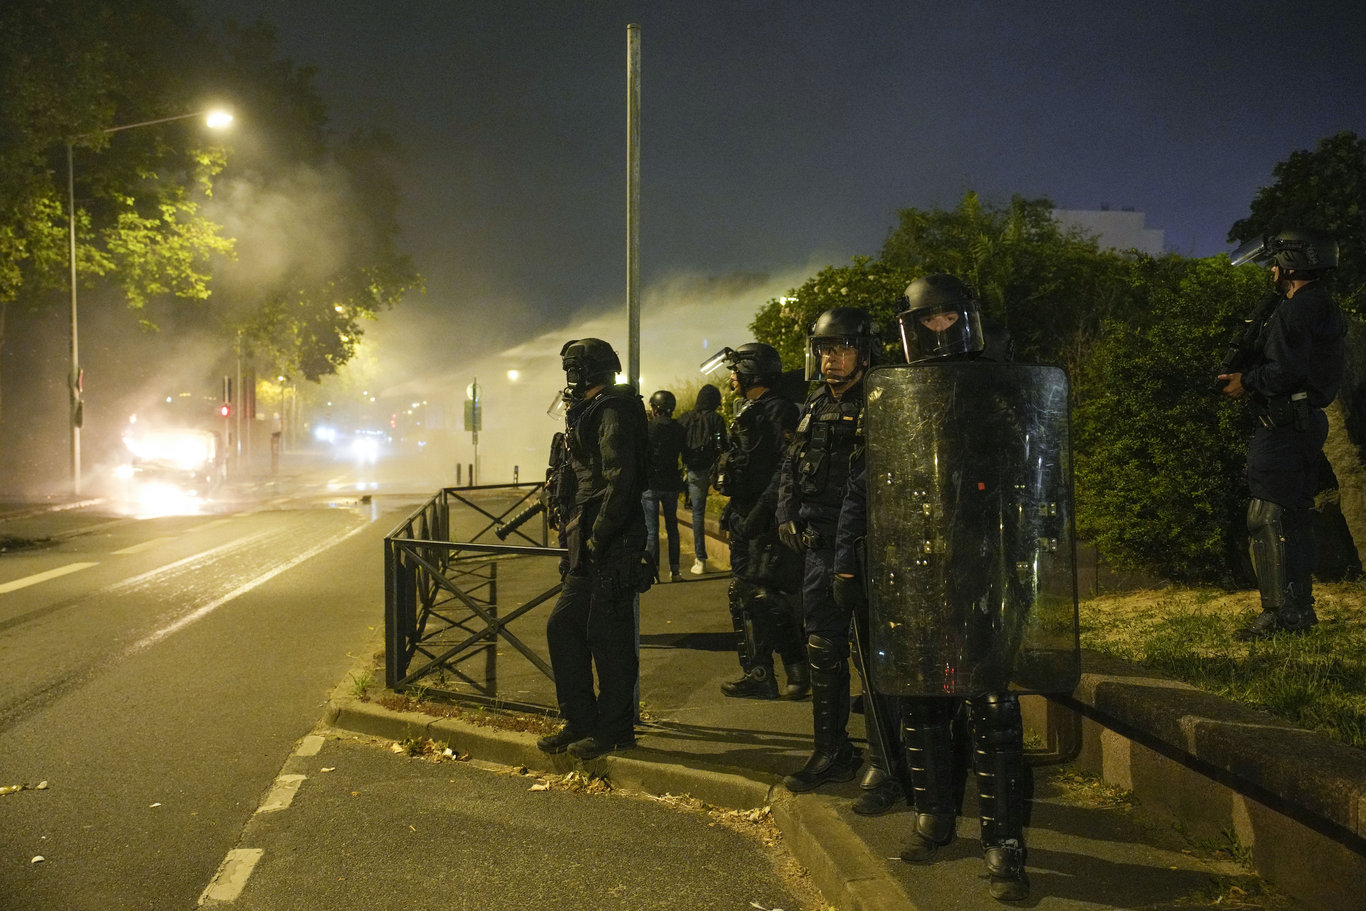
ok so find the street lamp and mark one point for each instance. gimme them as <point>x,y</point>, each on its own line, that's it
<point>215,119</point>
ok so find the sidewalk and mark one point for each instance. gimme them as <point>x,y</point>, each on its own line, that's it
<point>1087,847</point>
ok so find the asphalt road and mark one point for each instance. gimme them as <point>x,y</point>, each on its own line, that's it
<point>158,671</point>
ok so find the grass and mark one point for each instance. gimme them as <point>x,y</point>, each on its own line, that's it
<point>1315,681</point>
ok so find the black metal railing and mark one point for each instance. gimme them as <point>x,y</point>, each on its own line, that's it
<point>443,622</point>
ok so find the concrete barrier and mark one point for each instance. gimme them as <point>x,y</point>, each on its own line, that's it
<point>1295,799</point>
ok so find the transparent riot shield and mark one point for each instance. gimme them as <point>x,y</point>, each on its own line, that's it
<point>970,550</point>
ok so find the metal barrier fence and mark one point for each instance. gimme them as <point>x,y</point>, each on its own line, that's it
<point>442,619</point>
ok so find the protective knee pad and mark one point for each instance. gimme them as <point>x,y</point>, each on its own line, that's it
<point>826,655</point>
<point>1266,534</point>
<point>998,760</point>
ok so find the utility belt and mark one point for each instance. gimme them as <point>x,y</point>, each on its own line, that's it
<point>1282,411</point>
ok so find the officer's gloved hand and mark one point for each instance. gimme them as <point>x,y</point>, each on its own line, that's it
<point>847,591</point>
<point>791,537</point>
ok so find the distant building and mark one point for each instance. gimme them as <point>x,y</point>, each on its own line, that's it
<point>1119,229</point>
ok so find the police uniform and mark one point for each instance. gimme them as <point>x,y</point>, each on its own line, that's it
<point>592,625</point>
<point>1295,376</point>
<point>764,579</point>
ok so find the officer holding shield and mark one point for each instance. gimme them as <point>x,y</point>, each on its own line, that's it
<point>970,575</point>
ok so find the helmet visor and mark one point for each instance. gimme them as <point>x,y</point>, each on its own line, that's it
<point>1255,250</point>
<point>940,332</point>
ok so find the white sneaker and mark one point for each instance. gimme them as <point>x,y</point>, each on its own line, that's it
<point>699,567</point>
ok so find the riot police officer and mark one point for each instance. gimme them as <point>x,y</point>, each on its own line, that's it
<point>764,574</point>
<point>592,626</point>
<point>981,600</point>
<point>1294,374</point>
<point>840,348</point>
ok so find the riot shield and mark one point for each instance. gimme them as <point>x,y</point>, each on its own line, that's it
<point>970,548</point>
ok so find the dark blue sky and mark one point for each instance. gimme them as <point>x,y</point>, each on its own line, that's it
<point>781,133</point>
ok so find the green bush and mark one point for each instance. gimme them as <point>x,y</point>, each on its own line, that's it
<point>1158,453</point>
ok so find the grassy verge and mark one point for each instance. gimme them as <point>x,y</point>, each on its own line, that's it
<point>1316,680</point>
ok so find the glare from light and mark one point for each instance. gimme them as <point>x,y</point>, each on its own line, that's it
<point>514,375</point>
<point>217,119</point>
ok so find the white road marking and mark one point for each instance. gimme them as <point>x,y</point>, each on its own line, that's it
<point>199,614</point>
<point>227,884</point>
<point>282,794</point>
<point>311,745</point>
<point>43,577</point>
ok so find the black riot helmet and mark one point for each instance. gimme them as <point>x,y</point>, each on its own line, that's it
<point>849,326</point>
<point>1294,250</point>
<point>753,363</point>
<point>663,402</point>
<point>589,362</point>
<point>942,318</point>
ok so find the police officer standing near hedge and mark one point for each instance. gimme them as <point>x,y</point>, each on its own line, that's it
<point>592,625</point>
<point>765,576</point>
<point>1294,373</point>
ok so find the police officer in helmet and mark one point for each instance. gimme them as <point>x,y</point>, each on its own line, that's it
<point>1294,375</point>
<point>592,626</point>
<point>764,577</point>
<point>943,321</point>
<point>841,347</point>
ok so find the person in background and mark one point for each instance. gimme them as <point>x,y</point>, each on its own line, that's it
<point>705,439</point>
<point>665,480</point>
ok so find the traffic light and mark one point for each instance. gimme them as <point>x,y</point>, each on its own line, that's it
<point>224,409</point>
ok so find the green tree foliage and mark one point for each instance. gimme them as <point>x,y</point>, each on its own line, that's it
<point>1052,288</point>
<point>1325,190</point>
<point>867,283</point>
<point>1158,454</point>
<point>72,71</point>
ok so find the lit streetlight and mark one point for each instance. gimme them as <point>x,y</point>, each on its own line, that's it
<point>215,119</point>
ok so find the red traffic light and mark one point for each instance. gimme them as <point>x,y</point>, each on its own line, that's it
<point>225,409</point>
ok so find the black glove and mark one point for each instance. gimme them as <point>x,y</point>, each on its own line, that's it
<point>790,536</point>
<point>847,592</point>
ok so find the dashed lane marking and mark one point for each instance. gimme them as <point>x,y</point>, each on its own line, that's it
<point>43,577</point>
<point>282,793</point>
<point>227,884</point>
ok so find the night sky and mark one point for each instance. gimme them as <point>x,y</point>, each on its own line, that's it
<point>780,137</point>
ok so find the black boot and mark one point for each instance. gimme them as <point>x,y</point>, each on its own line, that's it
<point>1263,627</point>
<point>930,833</point>
<point>1005,868</point>
<point>798,678</point>
<point>757,684</point>
<point>881,792</point>
<point>835,758</point>
<point>998,760</point>
<point>840,764</point>
<point>928,739</point>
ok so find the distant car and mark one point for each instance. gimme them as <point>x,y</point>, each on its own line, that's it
<point>193,461</point>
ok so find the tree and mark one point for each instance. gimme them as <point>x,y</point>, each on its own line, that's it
<point>1324,190</point>
<point>1050,287</point>
<point>867,283</point>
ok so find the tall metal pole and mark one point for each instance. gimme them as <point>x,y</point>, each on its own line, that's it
<point>75,379</point>
<point>633,203</point>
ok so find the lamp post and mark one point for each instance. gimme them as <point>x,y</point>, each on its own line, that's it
<point>215,119</point>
